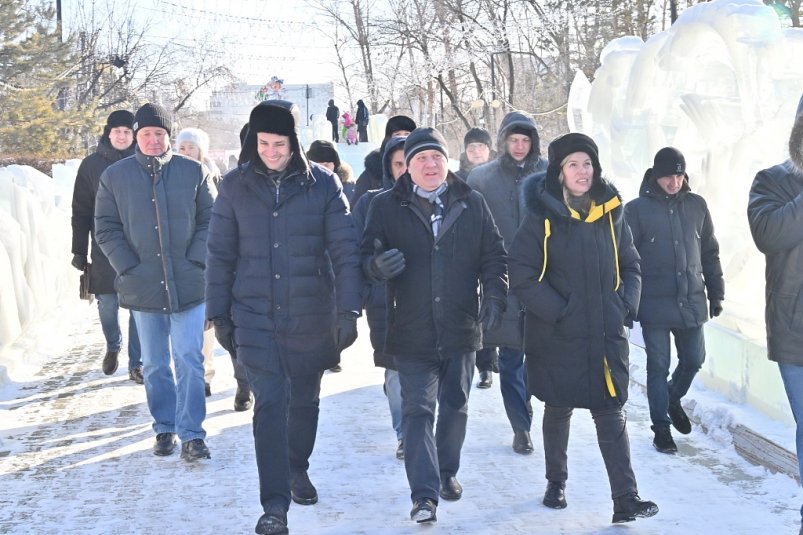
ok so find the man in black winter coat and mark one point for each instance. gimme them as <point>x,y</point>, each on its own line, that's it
<point>283,289</point>
<point>680,275</point>
<point>116,143</point>
<point>435,241</point>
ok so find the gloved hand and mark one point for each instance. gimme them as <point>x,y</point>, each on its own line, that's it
<point>79,261</point>
<point>346,332</point>
<point>385,265</point>
<point>224,332</point>
<point>715,308</point>
<point>491,311</point>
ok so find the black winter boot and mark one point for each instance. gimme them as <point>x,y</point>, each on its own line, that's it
<point>243,399</point>
<point>663,440</point>
<point>302,490</point>
<point>679,419</point>
<point>554,496</point>
<point>273,523</point>
<point>110,362</point>
<point>522,443</point>
<point>630,506</point>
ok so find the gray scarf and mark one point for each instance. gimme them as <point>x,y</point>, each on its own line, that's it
<point>435,198</point>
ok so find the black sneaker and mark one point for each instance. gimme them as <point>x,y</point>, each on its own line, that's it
<point>555,496</point>
<point>194,449</point>
<point>272,524</point>
<point>451,489</point>
<point>110,362</point>
<point>400,450</point>
<point>679,419</point>
<point>243,399</point>
<point>302,490</point>
<point>207,389</point>
<point>630,506</point>
<point>663,440</point>
<point>486,379</point>
<point>135,374</point>
<point>165,444</point>
<point>337,368</point>
<point>522,443</point>
<point>424,511</point>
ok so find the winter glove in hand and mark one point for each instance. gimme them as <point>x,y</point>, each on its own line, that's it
<point>385,265</point>
<point>715,308</point>
<point>224,332</point>
<point>346,332</point>
<point>79,261</point>
<point>491,313</point>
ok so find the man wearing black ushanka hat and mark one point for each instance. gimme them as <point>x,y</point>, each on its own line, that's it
<point>434,241</point>
<point>283,289</point>
<point>151,218</point>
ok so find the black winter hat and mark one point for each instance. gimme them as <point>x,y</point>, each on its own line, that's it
<point>323,151</point>
<point>152,115</point>
<point>562,147</point>
<point>477,135</point>
<point>397,123</point>
<point>243,133</point>
<point>424,138</point>
<point>120,118</point>
<point>668,161</point>
<point>272,118</point>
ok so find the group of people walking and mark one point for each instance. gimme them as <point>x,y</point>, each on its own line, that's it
<point>533,267</point>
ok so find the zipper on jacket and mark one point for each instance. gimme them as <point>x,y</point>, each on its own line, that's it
<point>154,176</point>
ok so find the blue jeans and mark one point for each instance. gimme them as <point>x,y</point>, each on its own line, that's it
<point>513,385</point>
<point>690,346</point>
<point>433,453</point>
<point>108,311</point>
<point>177,405</point>
<point>792,377</point>
<point>393,392</point>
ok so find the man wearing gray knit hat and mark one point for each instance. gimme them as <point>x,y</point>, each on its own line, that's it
<point>434,241</point>
<point>151,217</point>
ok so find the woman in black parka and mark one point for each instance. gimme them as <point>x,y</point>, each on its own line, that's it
<point>574,267</point>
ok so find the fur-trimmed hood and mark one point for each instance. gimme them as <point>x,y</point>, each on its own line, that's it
<point>538,199</point>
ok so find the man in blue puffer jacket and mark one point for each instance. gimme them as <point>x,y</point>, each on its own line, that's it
<point>151,217</point>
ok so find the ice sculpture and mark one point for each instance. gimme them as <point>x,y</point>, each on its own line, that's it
<point>721,85</point>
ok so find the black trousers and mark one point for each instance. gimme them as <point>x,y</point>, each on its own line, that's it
<point>335,134</point>
<point>430,453</point>
<point>285,427</point>
<point>611,437</point>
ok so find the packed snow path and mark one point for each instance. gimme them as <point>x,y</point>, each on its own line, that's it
<point>77,458</point>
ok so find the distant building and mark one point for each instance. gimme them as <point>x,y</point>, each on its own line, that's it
<point>235,102</point>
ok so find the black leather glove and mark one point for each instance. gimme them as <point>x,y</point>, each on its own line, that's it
<point>79,261</point>
<point>224,332</point>
<point>385,265</point>
<point>346,332</point>
<point>715,308</point>
<point>491,312</point>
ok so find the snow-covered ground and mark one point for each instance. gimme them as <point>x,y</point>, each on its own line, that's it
<point>76,458</point>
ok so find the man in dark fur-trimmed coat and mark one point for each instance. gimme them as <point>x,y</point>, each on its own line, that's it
<point>775,213</point>
<point>575,269</point>
<point>283,288</point>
